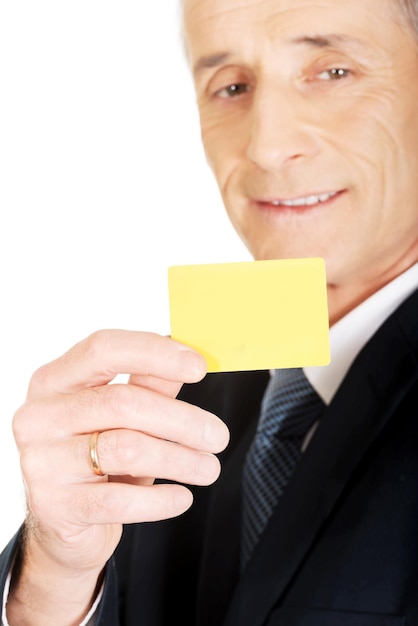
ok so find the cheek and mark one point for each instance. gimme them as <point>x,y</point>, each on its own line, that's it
<point>224,140</point>
<point>367,135</point>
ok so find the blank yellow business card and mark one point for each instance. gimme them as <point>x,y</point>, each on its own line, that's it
<point>252,315</point>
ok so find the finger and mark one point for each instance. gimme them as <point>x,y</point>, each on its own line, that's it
<point>129,453</point>
<point>100,357</point>
<point>166,387</point>
<point>114,503</point>
<point>131,480</point>
<point>120,406</point>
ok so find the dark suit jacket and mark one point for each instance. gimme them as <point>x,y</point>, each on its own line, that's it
<point>342,546</point>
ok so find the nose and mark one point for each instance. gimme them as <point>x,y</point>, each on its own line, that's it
<point>281,133</point>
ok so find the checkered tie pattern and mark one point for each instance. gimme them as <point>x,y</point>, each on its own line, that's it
<point>289,409</point>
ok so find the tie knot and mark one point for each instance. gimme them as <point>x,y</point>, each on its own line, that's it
<point>290,406</point>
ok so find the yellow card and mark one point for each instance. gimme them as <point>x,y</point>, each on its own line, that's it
<point>252,315</point>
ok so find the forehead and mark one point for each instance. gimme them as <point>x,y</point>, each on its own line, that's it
<point>230,9</point>
<point>215,22</point>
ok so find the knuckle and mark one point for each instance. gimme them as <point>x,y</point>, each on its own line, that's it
<point>96,345</point>
<point>125,453</point>
<point>35,468</point>
<point>28,466</point>
<point>22,425</point>
<point>38,502</point>
<point>18,424</point>
<point>115,450</point>
<point>40,379</point>
<point>116,399</point>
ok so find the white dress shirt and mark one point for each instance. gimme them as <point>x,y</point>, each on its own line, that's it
<point>348,336</point>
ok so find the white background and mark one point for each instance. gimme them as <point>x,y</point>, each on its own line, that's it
<point>103,185</point>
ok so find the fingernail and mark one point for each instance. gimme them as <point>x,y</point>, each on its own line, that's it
<point>216,434</point>
<point>194,362</point>
<point>208,466</point>
<point>183,499</point>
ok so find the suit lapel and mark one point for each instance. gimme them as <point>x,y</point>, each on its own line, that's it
<point>359,411</point>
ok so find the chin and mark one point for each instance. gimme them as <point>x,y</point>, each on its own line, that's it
<point>270,254</point>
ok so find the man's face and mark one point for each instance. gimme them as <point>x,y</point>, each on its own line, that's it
<point>309,118</point>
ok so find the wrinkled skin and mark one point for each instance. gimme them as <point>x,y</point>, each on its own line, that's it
<point>303,98</point>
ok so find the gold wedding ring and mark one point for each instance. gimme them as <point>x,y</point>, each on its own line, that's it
<point>94,456</point>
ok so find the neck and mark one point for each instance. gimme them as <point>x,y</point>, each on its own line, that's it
<point>347,294</point>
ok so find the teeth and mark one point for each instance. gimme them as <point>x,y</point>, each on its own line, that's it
<point>307,201</point>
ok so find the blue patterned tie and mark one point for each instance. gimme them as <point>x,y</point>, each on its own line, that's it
<point>290,408</point>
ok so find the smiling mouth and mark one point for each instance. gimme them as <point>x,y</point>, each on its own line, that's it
<point>303,201</point>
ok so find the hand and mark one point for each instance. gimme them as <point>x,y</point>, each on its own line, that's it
<point>74,516</point>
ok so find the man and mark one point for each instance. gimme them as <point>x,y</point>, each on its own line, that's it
<point>308,117</point>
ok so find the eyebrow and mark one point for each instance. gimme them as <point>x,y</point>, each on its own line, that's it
<point>329,41</point>
<point>211,60</point>
<point>313,41</point>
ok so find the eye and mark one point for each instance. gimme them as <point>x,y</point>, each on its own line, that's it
<point>336,73</point>
<point>233,91</point>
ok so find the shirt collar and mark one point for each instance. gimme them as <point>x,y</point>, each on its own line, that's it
<point>352,332</point>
